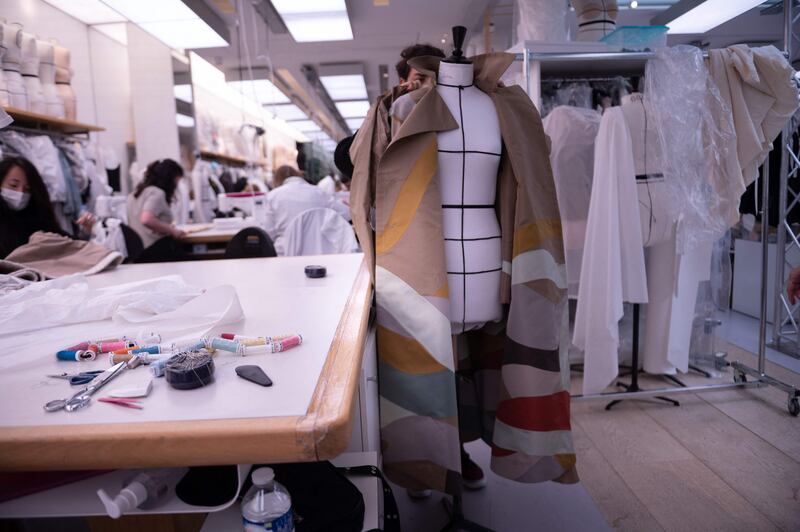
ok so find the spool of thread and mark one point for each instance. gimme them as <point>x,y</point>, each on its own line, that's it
<point>151,349</point>
<point>186,371</point>
<point>254,340</point>
<point>83,346</point>
<point>109,347</point>
<point>158,367</point>
<point>274,347</point>
<point>80,355</point>
<point>222,344</point>
<point>145,358</point>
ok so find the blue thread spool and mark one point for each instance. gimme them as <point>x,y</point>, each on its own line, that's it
<point>79,355</point>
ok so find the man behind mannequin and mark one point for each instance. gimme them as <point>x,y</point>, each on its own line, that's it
<point>291,196</point>
<point>410,77</point>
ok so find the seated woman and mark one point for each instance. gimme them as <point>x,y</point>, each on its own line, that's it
<point>25,206</point>
<point>149,212</point>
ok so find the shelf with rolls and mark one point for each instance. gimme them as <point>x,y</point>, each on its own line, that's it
<point>47,123</point>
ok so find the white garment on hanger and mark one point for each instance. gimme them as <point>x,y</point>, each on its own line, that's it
<point>572,133</point>
<point>319,232</point>
<point>613,269</point>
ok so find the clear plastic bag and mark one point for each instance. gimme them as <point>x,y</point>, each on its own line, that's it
<point>683,101</point>
<point>541,20</point>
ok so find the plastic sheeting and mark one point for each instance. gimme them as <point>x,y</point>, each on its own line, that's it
<point>683,101</point>
<point>541,20</point>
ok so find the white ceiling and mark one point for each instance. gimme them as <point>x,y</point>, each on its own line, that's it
<point>380,32</point>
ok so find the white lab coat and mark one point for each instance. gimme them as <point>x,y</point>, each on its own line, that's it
<point>327,184</point>
<point>319,232</point>
<point>613,269</point>
<point>294,196</point>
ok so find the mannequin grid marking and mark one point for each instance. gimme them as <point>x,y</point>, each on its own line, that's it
<point>469,159</point>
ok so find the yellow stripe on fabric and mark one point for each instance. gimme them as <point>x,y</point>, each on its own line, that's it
<point>531,236</point>
<point>415,314</point>
<point>405,354</point>
<point>408,199</point>
<point>443,291</point>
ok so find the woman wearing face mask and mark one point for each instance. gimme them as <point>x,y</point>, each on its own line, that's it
<point>25,205</point>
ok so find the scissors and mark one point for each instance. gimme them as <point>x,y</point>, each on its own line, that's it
<point>84,377</point>
<point>84,396</point>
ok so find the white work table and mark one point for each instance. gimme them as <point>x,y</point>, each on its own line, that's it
<point>305,415</point>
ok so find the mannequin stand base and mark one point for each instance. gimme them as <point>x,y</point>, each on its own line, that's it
<point>699,370</point>
<point>635,388</point>
<point>457,520</point>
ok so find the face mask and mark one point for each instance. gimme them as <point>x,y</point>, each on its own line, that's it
<point>15,199</point>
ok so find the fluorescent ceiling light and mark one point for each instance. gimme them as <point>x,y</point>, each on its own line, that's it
<point>116,31</point>
<point>315,20</point>
<point>287,112</point>
<point>140,11</point>
<point>305,125</point>
<point>353,109</point>
<point>260,90</point>
<point>184,121</point>
<point>347,87</point>
<point>183,93</point>
<point>184,34</point>
<point>354,123</point>
<point>169,21</point>
<point>88,11</point>
<point>695,16</point>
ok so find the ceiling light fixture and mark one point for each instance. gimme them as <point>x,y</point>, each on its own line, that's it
<point>315,20</point>
<point>260,90</point>
<point>345,87</point>
<point>287,111</point>
<point>354,109</point>
<point>634,4</point>
<point>700,16</point>
<point>170,21</point>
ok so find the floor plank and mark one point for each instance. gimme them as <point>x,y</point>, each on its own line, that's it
<point>768,478</point>
<point>619,505</point>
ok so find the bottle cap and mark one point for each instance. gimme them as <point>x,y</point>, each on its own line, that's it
<point>263,476</point>
<point>130,497</point>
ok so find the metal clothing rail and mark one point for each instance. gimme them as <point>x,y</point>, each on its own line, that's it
<point>608,61</point>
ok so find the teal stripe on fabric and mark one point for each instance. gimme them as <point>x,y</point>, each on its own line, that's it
<point>432,394</point>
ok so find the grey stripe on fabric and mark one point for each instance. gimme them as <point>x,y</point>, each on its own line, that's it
<point>432,394</point>
<point>546,359</point>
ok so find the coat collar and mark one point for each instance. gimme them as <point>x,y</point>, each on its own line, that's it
<point>488,68</point>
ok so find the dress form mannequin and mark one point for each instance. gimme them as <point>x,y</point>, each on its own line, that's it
<point>12,39</point>
<point>63,78</point>
<point>596,18</point>
<point>30,73</point>
<point>672,278</point>
<point>4,97</point>
<point>468,160</point>
<point>47,77</point>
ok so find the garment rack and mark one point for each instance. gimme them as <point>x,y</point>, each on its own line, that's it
<point>608,61</point>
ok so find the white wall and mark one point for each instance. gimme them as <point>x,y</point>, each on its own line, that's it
<point>112,89</point>
<point>153,100</point>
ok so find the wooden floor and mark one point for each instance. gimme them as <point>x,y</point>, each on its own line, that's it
<point>727,460</point>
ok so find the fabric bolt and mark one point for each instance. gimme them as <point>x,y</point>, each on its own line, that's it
<point>293,197</point>
<point>12,59</point>
<point>4,96</point>
<point>57,255</point>
<point>63,76</point>
<point>430,392</point>
<point>572,132</point>
<point>319,232</point>
<point>613,269</point>
<point>152,200</point>
<point>30,74</point>
<point>757,86</point>
<point>47,78</point>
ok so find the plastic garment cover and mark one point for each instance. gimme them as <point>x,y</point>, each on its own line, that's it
<point>683,101</point>
<point>541,20</point>
<point>180,203</point>
<point>319,232</point>
<point>572,132</point>
<point>41,151</point>
<point>5,118</point>
<point>205,200</point>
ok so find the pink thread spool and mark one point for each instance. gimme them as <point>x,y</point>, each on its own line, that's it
<point>108,347</point>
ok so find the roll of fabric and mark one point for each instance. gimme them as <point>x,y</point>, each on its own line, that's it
<point>63,79</point>
<point>12,40</point>
<point>4,98</point>
<point>30,74</point>
<point>54,106</point>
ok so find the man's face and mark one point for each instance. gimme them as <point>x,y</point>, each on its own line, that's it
<point>416,75</point>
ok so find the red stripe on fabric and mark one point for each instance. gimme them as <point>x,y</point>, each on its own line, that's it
<point>546,413</point>
<point>500,452</point>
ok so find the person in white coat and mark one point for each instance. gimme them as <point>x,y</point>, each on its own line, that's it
<point>291,196</point>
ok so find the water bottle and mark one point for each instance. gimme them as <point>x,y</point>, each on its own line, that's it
<point>267,504</point>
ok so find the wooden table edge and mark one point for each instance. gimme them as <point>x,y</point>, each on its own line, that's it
<point>323,432</point>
